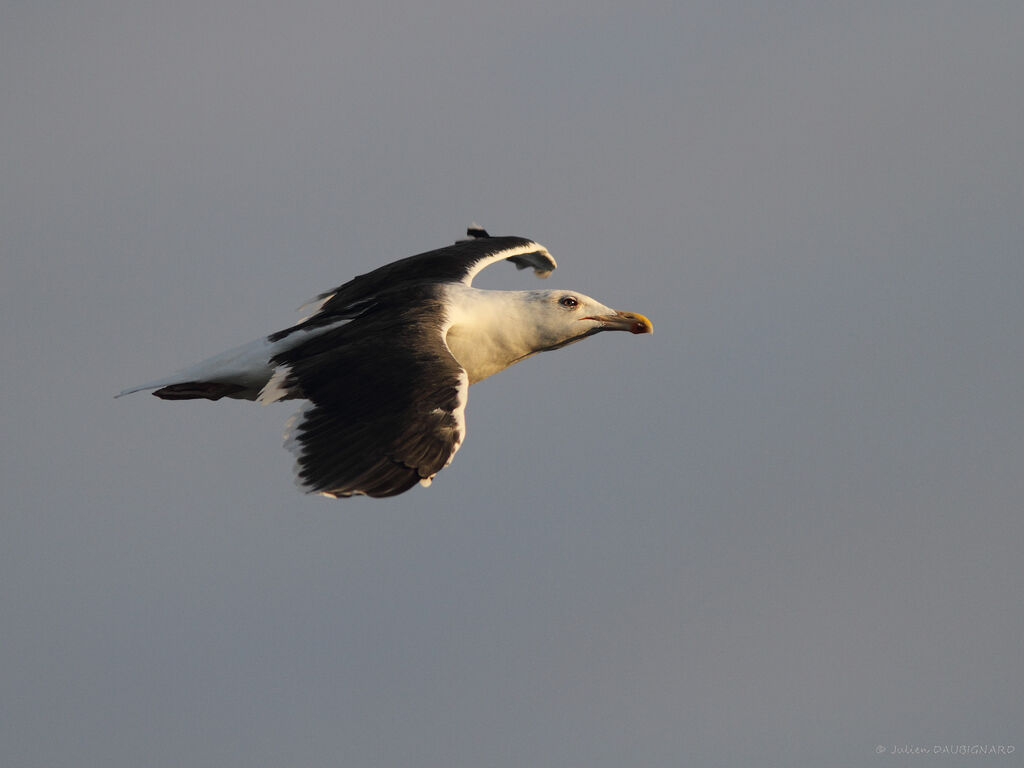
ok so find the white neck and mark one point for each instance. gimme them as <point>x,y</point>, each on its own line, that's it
<point>489,330</point>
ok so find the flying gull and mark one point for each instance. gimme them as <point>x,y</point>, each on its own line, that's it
<point>385,361</point>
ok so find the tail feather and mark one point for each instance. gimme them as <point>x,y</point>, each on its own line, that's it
<point>195,390</point>
<point>242,373</point>
<point>239,373</point>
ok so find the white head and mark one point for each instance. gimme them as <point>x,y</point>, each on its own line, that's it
<point>491,330</point>
<point>559,318</point>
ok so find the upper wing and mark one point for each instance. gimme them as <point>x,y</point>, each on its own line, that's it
<point>386,400</point>
<point>454,263</point>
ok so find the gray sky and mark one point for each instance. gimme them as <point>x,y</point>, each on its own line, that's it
<point>783,530</point>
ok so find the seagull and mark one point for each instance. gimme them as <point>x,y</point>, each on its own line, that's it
<point>384,363</point>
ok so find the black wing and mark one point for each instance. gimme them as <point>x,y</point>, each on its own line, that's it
<point>454,263</point>
<point>386,398</point>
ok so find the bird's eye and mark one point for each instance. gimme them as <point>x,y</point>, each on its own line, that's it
<point>570,302</point>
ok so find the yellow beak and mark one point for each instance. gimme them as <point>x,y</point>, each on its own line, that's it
<point>633,322</point>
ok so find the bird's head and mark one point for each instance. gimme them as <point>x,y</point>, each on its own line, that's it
<point>562,317</point>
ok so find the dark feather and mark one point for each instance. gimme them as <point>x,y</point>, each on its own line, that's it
<point>452,263</point>
<point>384,391</point>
